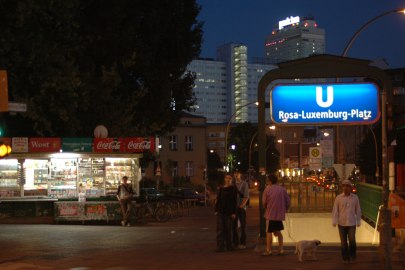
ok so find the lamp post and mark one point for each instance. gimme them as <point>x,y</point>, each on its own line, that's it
<point>385,236</point>
<point>361,29</point>
<point>227,130</point>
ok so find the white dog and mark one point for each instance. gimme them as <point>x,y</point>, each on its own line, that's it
<point>306,246</point>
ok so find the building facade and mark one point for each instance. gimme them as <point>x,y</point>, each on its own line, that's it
<point>182,153</point>
<point>224,86</point>
<point>293,39</point>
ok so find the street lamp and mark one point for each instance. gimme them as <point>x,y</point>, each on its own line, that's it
<point>386,213</point>
<point>353,38</point>
<point>227,129</point>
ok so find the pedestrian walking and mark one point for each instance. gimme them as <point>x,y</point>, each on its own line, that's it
<point>276,203</point>
<point>239,224</point>
<point>225,210</point>
<point>346,214</point>
<point>125,195</point>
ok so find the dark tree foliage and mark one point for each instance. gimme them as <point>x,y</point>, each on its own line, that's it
<point>81,63</point>
<point>215,168</point>
<point>242,136</point>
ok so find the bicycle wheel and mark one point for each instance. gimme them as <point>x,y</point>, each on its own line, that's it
<point>140,213</point>
<point>162,213</point>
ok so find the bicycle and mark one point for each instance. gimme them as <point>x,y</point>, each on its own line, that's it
<point>158,210</point>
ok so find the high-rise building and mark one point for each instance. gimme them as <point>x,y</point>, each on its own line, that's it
<point>223,87</point>
<point>294,39</point>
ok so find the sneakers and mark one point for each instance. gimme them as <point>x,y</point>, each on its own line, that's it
<point>123,223</point>
<point>128,225</point>
<point>241,247</point>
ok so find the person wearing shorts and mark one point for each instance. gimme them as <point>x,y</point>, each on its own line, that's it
<point>276,203</point>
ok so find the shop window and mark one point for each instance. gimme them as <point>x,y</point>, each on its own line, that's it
<point>173,143</point>
<point>9,178</point>
<point>189,168</point>
<point>36,176</point>
<point>116,168</point>
<point>188,143</point>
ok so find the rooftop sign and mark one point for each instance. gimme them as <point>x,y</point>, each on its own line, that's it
<point>288,21</point>
<point>355,103</point>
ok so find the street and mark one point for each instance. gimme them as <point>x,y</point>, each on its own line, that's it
<point>186,242</point>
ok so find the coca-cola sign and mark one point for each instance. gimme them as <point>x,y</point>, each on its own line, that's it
<point>108,145</point>
<point>139,145</point>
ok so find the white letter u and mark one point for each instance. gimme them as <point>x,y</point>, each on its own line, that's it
<point>329,96</point>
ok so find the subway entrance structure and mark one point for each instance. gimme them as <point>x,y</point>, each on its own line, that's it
<point>337,68</point>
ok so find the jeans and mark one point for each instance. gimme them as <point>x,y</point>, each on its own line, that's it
<point>224,231</point>
<point>241,216</point>
<point>348,250</point>
<point>126,205</point>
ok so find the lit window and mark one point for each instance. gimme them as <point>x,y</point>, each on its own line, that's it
<point>189,168</point>
<point>188,143</point>
<point>173,143</point>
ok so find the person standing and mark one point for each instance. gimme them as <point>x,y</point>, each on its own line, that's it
<point>276,203</point>
<point>125,194</point>
<point>346,214</point>
<point>225,210</point>
<point>240,221</point>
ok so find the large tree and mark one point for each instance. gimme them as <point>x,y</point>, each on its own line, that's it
<point>244,136</point>
<point>81,63</point>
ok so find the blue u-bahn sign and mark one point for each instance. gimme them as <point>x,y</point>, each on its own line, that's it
<point>339,103</point>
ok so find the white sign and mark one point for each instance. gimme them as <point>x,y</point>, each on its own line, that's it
<point>17,107</point>
<point>343,170</point>
<point>315,158</point>
<point>288,21</point>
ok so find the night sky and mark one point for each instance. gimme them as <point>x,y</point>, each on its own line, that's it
<point>249,21</point>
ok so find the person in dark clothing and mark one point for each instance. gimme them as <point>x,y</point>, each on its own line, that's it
<point>225,210</point>
<point>125,194</point>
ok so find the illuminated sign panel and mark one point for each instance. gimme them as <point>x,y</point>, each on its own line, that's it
<point>355,103</point>
<point>288,21</point>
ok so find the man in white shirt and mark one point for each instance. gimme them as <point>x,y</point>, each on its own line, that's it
<point>346,214</point>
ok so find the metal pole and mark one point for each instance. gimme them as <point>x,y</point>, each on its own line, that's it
<point>250,149</point>
<point>353,38</point>
<point>385,236</point>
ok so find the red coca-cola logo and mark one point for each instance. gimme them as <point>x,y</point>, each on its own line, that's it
<point>113,145</point>
<point>125,145</point>
<point>134,145</point>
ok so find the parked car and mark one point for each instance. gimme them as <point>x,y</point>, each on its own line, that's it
<point>185,193</point>
<point>150,193</point>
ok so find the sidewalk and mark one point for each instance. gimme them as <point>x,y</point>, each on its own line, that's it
<point>328,256</point>
<point>186,242</point>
